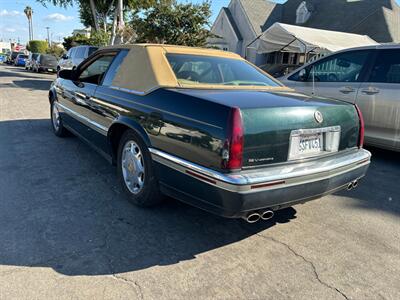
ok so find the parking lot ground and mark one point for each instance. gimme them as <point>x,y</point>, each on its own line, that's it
<point>66,231</point>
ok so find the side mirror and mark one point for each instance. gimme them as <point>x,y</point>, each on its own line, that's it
<point>65,56</point>
<point>66,74</point>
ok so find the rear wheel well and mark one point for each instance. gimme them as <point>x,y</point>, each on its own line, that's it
<point>116,132</point>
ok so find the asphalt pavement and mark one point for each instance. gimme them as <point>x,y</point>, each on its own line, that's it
<point>66,231</point>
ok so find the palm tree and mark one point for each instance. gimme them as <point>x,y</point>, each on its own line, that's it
<point>28,12</point>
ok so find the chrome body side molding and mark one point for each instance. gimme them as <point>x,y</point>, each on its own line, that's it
<point>88,122</point>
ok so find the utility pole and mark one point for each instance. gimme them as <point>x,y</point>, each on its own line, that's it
<point>48,35</point>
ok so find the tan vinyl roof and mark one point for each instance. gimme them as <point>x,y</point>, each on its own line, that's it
<point>146,68</point>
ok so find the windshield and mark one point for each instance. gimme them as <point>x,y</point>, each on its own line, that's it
<point>200,69</point>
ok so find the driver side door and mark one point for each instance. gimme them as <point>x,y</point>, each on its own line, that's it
<point>77,97</point>
<point>337,76</point>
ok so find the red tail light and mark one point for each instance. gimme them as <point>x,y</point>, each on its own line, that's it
<point>233,148</point>
<point>361,133</point>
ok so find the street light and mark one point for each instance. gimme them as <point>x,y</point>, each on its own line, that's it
<point>48,35</point>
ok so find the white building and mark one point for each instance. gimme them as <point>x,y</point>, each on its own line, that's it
<point>5,47</point>
<point>85,32</point>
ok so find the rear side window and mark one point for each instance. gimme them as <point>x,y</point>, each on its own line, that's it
<point>386,68</point>
<point>342,67</point>
<point>113,69</point>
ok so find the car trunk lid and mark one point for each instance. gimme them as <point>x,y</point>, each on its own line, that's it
<point>276,122</point>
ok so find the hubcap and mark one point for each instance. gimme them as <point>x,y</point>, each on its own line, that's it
<point>133,167</point>
<point>55,117</point>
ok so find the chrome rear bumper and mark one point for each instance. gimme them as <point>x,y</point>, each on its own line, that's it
<point>275,187</point>
<point>270,177</point>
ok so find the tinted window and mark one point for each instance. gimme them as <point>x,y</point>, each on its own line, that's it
<point>109,77</point>
<point>92,50</point>
<point>95,71</point>
<point>343,67</point>
<point>387,67</point>
<point>80,52</point>
<point>72,53</point>
<point>200,69</point>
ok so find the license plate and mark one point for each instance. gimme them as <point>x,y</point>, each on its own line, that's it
<point>50,70</point>
<point>313,142</point>
<point>309,144</point>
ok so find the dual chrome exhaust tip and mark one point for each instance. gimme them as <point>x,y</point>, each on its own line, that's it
<point>352,185</point>
<point>267,214</point>
<point>253,217</point>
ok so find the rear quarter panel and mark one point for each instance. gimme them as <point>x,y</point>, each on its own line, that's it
<point>188,127</point>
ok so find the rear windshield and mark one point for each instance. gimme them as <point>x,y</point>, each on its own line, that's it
<point>199,69</point>
<point>91,50</point>
<point>23,56</point>
<point>48,58</point>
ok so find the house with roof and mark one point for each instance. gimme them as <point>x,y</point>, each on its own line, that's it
<point>238,26</point>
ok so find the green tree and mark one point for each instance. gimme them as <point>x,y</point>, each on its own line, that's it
<point>99,13</point>
<point>170,22</point>
<point>55,50</point>
<point>37,46</point>
<point>99,39</point>
<point>75,40</point>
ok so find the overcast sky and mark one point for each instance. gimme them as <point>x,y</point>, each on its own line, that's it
<point>14,25</point>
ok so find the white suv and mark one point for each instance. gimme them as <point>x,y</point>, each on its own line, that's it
<point>367,76</point>
<point>74,57</point>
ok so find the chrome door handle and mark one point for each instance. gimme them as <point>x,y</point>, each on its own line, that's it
<point>347,90</point>
<point>370,91</point>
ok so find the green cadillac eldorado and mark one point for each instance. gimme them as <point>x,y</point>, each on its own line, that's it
<point>208,128</point>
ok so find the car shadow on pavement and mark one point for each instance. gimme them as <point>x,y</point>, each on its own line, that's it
<point>61,207</point>
<point>383,179</point>
<point>19,72</point>
<point>33,84</point>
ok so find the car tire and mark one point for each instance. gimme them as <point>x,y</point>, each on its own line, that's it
<point>136,172</point>
<point>56,121</point>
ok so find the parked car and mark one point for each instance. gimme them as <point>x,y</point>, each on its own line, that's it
<point>279,70</point>
<point>31,60</point>
<point>45,63</point>
<point>20,60</point>
<point>12,57</point>
<point>208,128</point>
<point>368,77</point>
<point>74,57</point>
